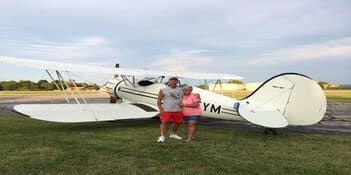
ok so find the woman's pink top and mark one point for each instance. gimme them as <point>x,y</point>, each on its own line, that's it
<point>190,99</point>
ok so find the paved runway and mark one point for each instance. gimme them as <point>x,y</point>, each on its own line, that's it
<point>329,125</point>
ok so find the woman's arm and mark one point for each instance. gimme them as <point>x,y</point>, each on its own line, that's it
<point>192,105</point>
<point>195,103</point>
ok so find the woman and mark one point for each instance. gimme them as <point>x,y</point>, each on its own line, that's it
<point>191,110</point>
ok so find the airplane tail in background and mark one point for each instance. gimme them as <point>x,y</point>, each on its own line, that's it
<point>285,99</point>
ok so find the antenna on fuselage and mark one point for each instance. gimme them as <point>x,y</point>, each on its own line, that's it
<point>116,66</point>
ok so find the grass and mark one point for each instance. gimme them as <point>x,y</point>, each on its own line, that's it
<point>29,146</point>
<point>338,95</point>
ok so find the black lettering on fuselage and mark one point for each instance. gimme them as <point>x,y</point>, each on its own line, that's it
<point>206,105</point>
<point>213,108</point>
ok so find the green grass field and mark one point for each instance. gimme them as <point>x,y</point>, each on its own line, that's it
<point>29,146</point>
<point>338,95</point>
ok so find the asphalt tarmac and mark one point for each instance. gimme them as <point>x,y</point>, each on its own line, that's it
<point>331,124</point>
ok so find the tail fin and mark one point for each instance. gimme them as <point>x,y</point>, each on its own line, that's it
<point>288,99</point>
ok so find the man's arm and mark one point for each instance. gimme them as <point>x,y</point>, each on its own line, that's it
<point>159,102</point>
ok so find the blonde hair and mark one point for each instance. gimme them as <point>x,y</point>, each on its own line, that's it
<point>188,87</point>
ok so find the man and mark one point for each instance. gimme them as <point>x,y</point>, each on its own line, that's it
<point>170,109</point>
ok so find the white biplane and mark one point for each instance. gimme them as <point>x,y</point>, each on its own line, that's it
<point>285,99</point>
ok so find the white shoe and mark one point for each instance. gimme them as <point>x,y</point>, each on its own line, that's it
<point>161,139</point>
<point>175,136</point>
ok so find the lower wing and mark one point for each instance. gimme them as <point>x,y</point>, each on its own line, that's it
<point>76,113</point>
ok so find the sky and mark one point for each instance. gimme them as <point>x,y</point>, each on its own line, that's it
<point>253,38</point>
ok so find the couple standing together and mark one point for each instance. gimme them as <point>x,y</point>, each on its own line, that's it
<point>177,104</point>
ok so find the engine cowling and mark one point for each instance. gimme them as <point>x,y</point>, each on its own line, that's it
<point>111,89</point>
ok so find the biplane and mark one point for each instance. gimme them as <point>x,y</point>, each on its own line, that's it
<point>283,100</point>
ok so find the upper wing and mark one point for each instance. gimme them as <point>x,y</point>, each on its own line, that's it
<point>50,65</point>
<point>76,113</point>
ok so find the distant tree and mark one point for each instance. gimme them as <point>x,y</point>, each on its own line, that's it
<point>33,87</point>
<point>84,84</point>
<point>333,88</point>
<point>235,81</point>
<point>24,85</point>
<point>45,85</point>
<point>71,82</point>
<point>322,84</point>
<point>95,86</point>
<point>41,82</point>
<point>58,83</point>
<point>9,85</point>
<point>346,87</point>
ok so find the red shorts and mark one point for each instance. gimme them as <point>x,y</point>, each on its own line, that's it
<point>175,117</point>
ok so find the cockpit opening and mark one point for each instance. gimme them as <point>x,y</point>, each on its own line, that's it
<point>145,83</point>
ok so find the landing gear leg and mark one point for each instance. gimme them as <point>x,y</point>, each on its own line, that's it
<point>270,131</point>
<point>114,99</point>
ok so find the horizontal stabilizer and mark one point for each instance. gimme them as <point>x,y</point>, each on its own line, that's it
<point>265,116</point>
<point>76,113</point>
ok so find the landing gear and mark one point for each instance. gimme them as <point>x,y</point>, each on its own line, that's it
<point>114,99</point>
<point>270,131</point>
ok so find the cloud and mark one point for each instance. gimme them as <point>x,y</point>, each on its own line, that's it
<point>234,36</point>
<point>93,41</point>
<point>337,49</point>
<point>184,61</point>
<point>197,51</point>
<point>80,49</point>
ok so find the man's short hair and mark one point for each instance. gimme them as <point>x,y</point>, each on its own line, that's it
<point>173,78</point>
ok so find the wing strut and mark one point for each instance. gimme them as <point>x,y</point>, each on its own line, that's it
<point>75,85</point>
<point>64,84</point>
<point>218,82</point>
<point>61,79</point>
<point>126,80</point>
<point>58,87</point>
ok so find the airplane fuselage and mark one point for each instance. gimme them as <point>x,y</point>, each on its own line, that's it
<point>213,105</point>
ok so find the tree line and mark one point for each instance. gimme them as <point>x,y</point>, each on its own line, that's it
<point>41,85</point>
<point>326,86</point>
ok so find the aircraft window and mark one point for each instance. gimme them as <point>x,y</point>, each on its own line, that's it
<point>145,83</point>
